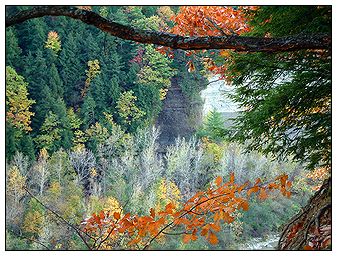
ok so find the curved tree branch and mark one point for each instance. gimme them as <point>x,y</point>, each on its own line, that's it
<point>238,43</point>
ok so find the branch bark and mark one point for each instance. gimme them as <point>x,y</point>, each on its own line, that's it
<point>238,43</point>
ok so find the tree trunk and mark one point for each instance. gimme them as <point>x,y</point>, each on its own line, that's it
<point>310,229</point>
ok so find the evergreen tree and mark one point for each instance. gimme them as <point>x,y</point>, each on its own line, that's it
<point>72,72</point>
<point>88,112</point>
<point>13,51</point>
<point>214,127</point>
<point>287,100</point>
<point>55,82</point>
<point>33,34</point>
<point>49,134</point>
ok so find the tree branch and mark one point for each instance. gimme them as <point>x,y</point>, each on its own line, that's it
<point>78,232</point>
<point>238,43</point>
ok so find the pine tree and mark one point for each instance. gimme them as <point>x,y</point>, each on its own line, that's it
<point>32,35</point>
<point>88,112</point>
<point>72,72</point>
<point>55,82</point>
<point>50,133</point>
<point>13,51</point>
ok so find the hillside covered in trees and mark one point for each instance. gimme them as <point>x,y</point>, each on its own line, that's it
<point>88,166</point>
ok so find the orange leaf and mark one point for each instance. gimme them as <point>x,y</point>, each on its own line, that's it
<point>215,227</point>
<point>263,195</point>
<point>152,212</point>
<point>308,248</point>
<point>117,215</point>
<point>204,230</point>
<point>169,208</point>
<point>245,205</point>
<point>227,217</point>
<point>231,180</point>
<point>186,238</point>
<point>127,216</point>
<point>134,241</point>
<point>213,238</point>
<point>288,183</point>
<point>258,180</point>
<point>218,181</point>
<point>101,215</point>
<point>194,237</point>
<point>252,190</point>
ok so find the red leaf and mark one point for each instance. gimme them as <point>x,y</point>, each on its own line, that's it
<point>152,213</point>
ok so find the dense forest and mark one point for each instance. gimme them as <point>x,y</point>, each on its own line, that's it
<point>86,168</point>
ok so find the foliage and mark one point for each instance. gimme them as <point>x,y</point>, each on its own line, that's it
<point>99,167</point>
<point>50,132</point>
<point>220,197</point>
<point>213,127</point>
<point>33,220</point>
<point>91,73</point>
<point>17,102</point>
<point>287,107</point>
<point>167,192</point>
<point>53,42</point>
<point>128,109</point>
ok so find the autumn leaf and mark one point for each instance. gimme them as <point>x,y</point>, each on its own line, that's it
<point>244,205</point>
<point>117,215</point>
<point>134,241</point>
<point>263,195</point>
<point>101,215</point>
<point>212,238</point>
<point>308,248</point>
<point>252,190</point>
<point>152,213</point>
<point>215,227</point>
<point>288,183</point>
<point>186,238</point>
<point>218,181</point>
<point>231,180</point>
<point>169,208</point>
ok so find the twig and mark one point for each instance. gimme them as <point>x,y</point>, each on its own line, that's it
<point>190,211</point>
<point>60,217</point>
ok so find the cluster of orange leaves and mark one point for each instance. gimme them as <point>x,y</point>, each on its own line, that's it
<point>209,21</point>
<point>201,215</point>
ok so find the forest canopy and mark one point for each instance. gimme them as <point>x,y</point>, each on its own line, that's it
<point>85,86</point>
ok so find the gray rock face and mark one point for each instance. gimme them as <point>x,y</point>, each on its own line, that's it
<point>174,120</point>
